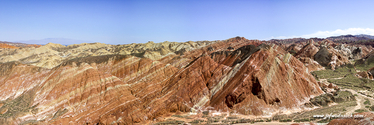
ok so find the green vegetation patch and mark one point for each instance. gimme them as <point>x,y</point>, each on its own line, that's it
<point>285,120</point>
<point>171,122</point>
<point>281,117</point>
<point>259,120</point>
<point>17,107</point>
<point>232,117</point>
<point>245,121</point>
<point>364,65</point>
<point>197,121</point>
<point>302,120</point>
<point>29,122</point>
<point>343,96</point>
<point>353,82</point>
<point>367,102</point>
<point>371,108</point>
<point>234,121</point>
<point>178,116</point>
<point>326,120</point>
<point>339,72</point>
<point>361,110</point>
<point>322,100</point>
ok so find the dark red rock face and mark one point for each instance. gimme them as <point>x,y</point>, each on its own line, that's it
<point>249,78</point>
<point>257,84</point>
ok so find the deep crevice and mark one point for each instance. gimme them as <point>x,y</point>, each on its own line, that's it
<point>230,101</point>
<point>257,88</point>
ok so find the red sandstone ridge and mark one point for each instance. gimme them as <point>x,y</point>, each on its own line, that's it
<point>260,73</point>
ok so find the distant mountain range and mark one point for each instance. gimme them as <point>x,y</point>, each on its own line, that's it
<point>65,41</point>
<point>62,41</point>
<point>351,37</point>
<point>340,39</point>
<point>363,35</point>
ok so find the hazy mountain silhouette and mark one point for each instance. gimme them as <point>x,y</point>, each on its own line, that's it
<point>63,41</point>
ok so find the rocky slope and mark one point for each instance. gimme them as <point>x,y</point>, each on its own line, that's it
<point>326,53</point>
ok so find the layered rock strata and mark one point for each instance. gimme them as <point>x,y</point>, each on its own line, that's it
<point>236,75</point>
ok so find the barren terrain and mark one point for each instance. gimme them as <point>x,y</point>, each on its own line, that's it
<point>233,81</point>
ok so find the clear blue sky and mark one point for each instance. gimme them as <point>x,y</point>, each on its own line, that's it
<point>122,22</point>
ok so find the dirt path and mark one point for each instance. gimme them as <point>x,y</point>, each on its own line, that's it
<point>325,80</point>
<point>359,101</point>
<point>360,98</point>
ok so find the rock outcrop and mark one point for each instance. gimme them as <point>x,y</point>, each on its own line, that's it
<point>308,50</point>
<point>323,57</point>
<point>327,53</point>
<point>294,48</point>
<point>311,64</point>
<point>366,74</point>
<point>330,57</point>
<point>368,60</point>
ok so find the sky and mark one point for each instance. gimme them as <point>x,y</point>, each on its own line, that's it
<point>140,21</point>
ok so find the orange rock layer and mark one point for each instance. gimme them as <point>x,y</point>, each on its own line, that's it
<point>4,45</point>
